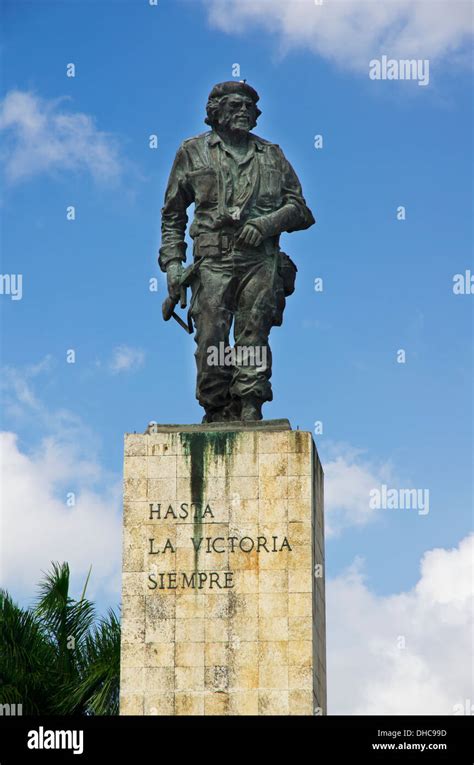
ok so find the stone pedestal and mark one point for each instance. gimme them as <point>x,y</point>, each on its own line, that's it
<point>223,572</point>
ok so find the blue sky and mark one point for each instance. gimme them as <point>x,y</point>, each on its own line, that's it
<point>388,284</point>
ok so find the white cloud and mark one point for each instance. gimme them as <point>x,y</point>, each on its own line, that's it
<point>42,137</point>
<point>368,673</point>
<point>351,32</point>
<point>37,525</point>
<point>21,404</point>
<point>348,480</point>
<point>126,358</point>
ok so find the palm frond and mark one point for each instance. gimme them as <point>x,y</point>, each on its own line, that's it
<point>55,658</point>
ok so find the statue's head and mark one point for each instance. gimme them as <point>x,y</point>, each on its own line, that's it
<point>232,106</point>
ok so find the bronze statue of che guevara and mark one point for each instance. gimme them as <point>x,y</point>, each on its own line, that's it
<point>245,194</point>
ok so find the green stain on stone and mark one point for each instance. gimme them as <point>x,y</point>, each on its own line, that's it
<point>201,448</point>
<point>299,441</point>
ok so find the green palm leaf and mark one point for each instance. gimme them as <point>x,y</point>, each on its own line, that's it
<point>55,658</point>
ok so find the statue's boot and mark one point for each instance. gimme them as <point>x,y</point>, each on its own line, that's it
<point>251,409</point>
<point>233,410</point>
<point>216,415</point>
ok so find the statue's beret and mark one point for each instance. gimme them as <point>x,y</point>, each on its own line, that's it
<point>233,86</point>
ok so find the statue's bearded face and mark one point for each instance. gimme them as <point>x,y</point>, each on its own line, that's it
<point>237,113</point>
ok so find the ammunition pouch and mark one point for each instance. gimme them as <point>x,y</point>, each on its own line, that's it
<point>288,272</point>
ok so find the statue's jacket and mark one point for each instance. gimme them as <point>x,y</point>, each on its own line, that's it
<point>228,191</point>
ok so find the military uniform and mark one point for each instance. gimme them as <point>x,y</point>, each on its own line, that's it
<point>232,283</point>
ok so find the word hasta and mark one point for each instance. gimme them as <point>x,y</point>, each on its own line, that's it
<point>186,510</point>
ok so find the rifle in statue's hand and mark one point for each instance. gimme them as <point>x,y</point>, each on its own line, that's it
<point>170,303</point>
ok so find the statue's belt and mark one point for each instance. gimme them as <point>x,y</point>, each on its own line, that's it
<point>215,243</point>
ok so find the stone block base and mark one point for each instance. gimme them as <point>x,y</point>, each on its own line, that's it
<point>223,573</point>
